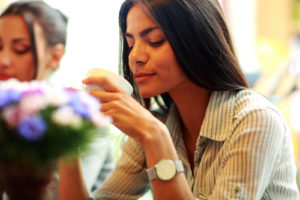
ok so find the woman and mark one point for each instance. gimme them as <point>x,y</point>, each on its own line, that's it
<point>32,43</point>
<point>220,140</point>
<point>32,40</point>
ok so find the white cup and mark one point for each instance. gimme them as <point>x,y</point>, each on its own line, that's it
<point>118,80</point>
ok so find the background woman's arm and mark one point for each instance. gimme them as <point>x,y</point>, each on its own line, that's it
<point>71,183</point>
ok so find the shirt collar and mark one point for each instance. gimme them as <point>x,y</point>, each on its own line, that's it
<point>218,119</point>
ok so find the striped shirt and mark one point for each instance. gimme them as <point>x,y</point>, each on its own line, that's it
<point>244,151</point>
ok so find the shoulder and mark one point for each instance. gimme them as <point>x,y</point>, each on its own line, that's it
<point>259,112</point>
<point>247,101</point>
<point>251,97</point>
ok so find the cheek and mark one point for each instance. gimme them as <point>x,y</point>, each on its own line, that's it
<point>168,67</point>
<point>24,68</point>
<point>131,68</point>
<point>170,73</point>
<point>165,58</point>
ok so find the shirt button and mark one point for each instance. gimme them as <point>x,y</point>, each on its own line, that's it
<point>237,189</point>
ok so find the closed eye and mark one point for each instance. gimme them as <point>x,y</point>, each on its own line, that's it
<point>22,50</point>
<point>158,43</point>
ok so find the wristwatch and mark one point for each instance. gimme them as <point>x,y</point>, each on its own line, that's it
<point>165,169</point>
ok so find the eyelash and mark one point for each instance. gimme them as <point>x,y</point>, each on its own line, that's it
<point>157,44</point>
<point>153,44</point>
<point>18,51</point>
<point>23,51</point>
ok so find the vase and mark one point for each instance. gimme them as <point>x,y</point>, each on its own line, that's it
<point>26,181</point>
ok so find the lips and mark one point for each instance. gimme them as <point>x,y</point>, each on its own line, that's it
<point>4,77</point>
<point>143,76</point>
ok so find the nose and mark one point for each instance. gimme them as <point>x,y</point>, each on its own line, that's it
<point>138,55</point>
<point>5,58</point>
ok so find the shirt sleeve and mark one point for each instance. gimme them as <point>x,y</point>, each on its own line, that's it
<point>97,165</point>
<point>129,179</point>
<point>259,159</point>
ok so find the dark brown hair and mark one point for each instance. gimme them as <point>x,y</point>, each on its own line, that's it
<point>198,35</point>
<point>52,21</point>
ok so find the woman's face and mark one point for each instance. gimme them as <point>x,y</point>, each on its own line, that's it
<point>16,56</point>
<point>151,59</point>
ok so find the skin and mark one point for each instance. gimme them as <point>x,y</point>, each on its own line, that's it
<point>156,71</point>
<point>151,59</point>
<point>16,56</point>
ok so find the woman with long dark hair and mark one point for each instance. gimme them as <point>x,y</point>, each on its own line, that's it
<point>32,44</point>
<point>33,37</point>
<point>220,139</point>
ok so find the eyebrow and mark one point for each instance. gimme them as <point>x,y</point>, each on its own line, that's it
<point>20,40</point>
<point>143,33</point>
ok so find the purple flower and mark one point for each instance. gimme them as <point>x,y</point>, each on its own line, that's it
<point>78,106</point>
<point>32,127</point>
<point>33,91</point>
<point>9,96</point>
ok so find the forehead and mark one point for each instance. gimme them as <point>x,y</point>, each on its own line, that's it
<point>139,18</point>
<point>13,26</point>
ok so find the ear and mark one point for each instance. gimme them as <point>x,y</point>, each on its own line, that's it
<point>57,52</point>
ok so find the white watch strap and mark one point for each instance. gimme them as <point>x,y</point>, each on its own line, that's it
<point>152,171</point>
<point>179,166</point>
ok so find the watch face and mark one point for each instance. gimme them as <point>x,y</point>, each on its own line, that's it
<point>165,170</point>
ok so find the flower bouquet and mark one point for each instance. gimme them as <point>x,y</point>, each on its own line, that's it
<point>40,123</point>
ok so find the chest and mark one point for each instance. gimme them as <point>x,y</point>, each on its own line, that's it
<point>208,164</point>
<point>190,146</point>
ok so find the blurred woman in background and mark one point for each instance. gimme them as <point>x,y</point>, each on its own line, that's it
<point>32,44</point>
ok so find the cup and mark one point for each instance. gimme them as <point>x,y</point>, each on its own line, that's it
<point>118,80</point>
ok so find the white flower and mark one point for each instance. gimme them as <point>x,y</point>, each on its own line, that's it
<point>32,103</point>
<point>56,97</point>
<point>65,116</point>
<point>100,120</point>
<point>11,84</point>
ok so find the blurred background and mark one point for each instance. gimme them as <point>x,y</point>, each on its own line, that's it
<point>266,36</point>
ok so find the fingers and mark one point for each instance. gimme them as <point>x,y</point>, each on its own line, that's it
<point>108,109</point>
<point>103,96</point>
<point>103,81</point>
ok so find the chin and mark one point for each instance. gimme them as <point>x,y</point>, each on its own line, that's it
<point>148,94</point>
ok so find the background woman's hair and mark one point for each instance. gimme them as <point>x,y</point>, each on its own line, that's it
<point>199,37</point>
<point>52,21</point>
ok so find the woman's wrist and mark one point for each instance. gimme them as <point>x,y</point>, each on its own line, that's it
<point>158,145</point>
<point>156,133</point>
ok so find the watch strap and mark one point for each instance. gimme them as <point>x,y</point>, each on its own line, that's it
<point>152,171</point>
<point>179,166</point>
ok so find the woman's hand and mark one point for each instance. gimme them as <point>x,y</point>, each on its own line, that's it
<point>127,114</point>
<point>138,123</point>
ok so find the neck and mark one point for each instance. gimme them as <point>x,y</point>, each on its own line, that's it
<point>191,102</point>
<point>43,75</point>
